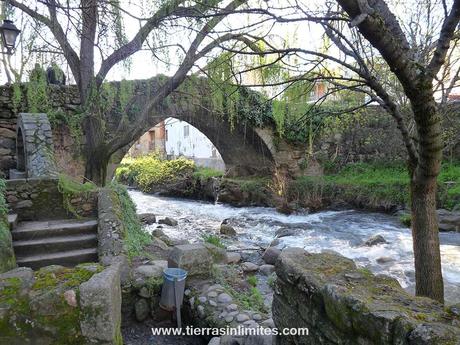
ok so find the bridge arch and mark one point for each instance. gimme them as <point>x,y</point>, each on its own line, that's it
<point>241,148</point>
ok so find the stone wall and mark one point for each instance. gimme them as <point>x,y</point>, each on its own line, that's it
<point>7,258</point>
<point>64,101</point>
<point>58,305</point>
<point>372,135</point>
<point>39,199</point>
<point>342,304</point>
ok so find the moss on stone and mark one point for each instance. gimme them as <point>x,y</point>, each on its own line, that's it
<point>28,312</point>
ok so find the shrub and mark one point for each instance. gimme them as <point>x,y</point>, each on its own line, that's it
<point>213,239</point>
<point>149,171</point>
<point>205,173</point>
<point>135,237</point>
<point>252,280</point>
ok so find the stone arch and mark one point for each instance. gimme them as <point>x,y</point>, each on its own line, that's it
<point>34,146</point>
<point>242,149</point>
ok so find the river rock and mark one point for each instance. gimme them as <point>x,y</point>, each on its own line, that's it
<point>224,298</point>
<point>218,254</point>
<point>285,232</point>
<point>384,259</point>
<point>214,341</point>
<point>448,220</point>
<point>157,242</point>
<point>141,309</point>
<point>168,221</point>
<point>228,230</point>
<point>158,232</point>
<point>267,269</point>
<point>194,258</point>
<point>233,257</point>
<point>375,240</point>
<point>147,218</point>
<point>249,267</point>
<point>242,317</point>
<point>271,254</point>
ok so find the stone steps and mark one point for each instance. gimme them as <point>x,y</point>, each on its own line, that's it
<point>66,242</point>
<point>42,229</point>
<point>68,258</point>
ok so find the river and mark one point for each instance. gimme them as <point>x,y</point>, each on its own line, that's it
<point>341,231</point>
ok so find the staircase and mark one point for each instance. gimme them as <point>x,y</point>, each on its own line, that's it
<point>66,242</point>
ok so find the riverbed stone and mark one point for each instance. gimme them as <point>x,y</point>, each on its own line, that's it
<point>267,269</point>
<point>375,240</point>
<point>147,218</point>
<point>249,267</point>
<point>194,258</point>
<point>202,299</point>
<point>448,220</point>
<point>384,260</point>
<point>271,254</point>
<point>214,341</point>
<point>141,309</point>
<point>229,318</point>
<point>242,317</point>
<point>285,232</point>
<point>168,221</point>
<point>200,310</point>
<point>224,298</point>
<point>233,257</point>
<point>231,307</point>
<point>228,230</point>
<point>212,294</point>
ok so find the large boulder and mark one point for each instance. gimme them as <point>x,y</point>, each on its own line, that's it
<point>194,258</point>
<point>147,218</point>
<point>168,221</point>
<point>375,240</point>
<point>228,230</point>
<point>271,254</point>
<point>448,220</point>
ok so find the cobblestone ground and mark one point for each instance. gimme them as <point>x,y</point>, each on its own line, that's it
<point>135,333</point>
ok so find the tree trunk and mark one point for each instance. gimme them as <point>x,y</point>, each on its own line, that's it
<point>424,173</point>
<point>96,166</point>
<point>425,236</point>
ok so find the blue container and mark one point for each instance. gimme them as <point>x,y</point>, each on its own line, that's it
<point>172,274</point>
<point>172,292</point>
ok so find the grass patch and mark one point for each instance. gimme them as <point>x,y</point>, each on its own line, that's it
<point>135,237</point>
<point>205,173</point>
<point>252,280</point>
<point>372,185</point>
<point>214,240</point>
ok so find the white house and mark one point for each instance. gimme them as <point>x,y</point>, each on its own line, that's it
<point>182,139</point>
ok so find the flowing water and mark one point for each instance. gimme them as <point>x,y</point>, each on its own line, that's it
<point>341,231</point>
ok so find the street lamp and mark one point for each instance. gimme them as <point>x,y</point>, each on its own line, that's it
<point>9,33</point>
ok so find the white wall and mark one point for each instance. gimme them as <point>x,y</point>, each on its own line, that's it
<point>193,145</point>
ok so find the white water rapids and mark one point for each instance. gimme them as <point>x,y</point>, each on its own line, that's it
<point>341,231</point>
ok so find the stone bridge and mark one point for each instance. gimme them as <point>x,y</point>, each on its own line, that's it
<point>245,149</point>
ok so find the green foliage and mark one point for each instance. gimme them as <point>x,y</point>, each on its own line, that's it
<point>213,239</point>
<point>149,171</point>
<point>405,219</point>
<point>248,298</point>
<point>271,280</point>
<point>3,207</point>
<point>252,280</point>
<point>135,237</point>
<point>70,189</point>
<point>205,173</point>
<point>373,184</point>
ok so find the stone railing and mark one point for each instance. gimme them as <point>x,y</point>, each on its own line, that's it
<point>342,304</point>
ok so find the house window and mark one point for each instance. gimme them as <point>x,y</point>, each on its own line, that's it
<point>166,135</point>
<point>186,131</point>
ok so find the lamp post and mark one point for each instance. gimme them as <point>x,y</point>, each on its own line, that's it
<point>9,33</point>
